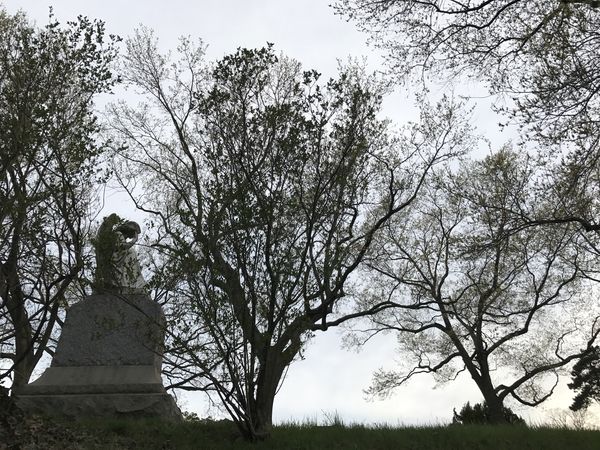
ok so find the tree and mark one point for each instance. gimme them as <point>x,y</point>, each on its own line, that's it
<point>48,78</point>
<point>585,378</point>
<point>543,55</point>
<point>468,293</point>
<point>479,414</point>
<point>581,419</point>
<point>265,190</point>
<point>543,52</point>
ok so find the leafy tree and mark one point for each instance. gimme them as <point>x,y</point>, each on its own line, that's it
<point>265,189</point>
<point>586,379</point>
<point>48,78</point>
<point>467,295</point>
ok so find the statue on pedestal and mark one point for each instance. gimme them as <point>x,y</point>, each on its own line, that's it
<point>108,359</point>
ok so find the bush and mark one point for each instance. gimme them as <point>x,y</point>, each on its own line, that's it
<point>191,417</point>
<point>480,414</point>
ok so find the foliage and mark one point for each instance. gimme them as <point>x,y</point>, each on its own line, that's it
<point>479,413</point>
<point>545,56</point>
<point>48,165</point>
<point>542,59</point>
<point>585,379</point>
<point>265,188</point>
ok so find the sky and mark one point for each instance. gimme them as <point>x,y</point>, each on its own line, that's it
<point>329,380</point>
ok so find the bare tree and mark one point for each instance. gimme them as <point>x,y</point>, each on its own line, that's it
<point>469,290</point>
<point>265,190</point>
<point>48,78</point>
<point>581,419</point>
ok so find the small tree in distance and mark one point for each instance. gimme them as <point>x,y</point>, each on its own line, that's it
<point>585,379</point>
<point>479,414</point>
<point>265,189</point>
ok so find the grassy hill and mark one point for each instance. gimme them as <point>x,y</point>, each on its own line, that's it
<point>152,434</point>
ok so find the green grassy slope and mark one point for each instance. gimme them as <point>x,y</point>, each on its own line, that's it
<point>197,435</point>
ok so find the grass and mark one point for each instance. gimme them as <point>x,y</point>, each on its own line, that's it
<point>151,434</point>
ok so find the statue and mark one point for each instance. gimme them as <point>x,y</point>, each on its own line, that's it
<point>117,265</point>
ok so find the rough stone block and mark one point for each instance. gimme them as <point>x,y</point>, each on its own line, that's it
<point>110,330</point>
<point>107,363</point>
<point>78,406</point>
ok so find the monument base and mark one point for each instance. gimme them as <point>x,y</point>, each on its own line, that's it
<point>82,406</point>
<point>98,391</point>
<point>107,363</point>
<point>96,380</point>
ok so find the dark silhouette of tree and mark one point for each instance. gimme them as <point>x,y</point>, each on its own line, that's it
<point>467,295</point>
<point>265,189</point>
<point>479,414</point>
<point>48,78</point>
<point>586,379</point>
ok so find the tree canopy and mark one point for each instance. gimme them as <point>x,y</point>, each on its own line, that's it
<point>541,60</point>
<point>544,52</point>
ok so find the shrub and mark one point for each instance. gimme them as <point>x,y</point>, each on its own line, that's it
<point>480,414</point>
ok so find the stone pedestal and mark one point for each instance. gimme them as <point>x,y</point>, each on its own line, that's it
<point>107,363</point>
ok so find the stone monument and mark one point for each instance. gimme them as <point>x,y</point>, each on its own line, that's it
<point>108,358</point>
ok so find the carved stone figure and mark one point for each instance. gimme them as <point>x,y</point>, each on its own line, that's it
<point>117,265</point>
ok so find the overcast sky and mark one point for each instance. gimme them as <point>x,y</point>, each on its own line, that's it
<point>329,379</point>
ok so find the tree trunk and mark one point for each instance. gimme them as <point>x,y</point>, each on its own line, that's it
<point>22,370</point>
<point>24,361</point>
<point>261,408</point>
<point>495,408</point>
<point>494,404</point>
<point>262,414</point>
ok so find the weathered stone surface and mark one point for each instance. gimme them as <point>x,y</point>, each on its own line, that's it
<point>97,379</point>
<point>78,406</point>
<point>110,330</point>
<point>107,363</point>
<point>117,265</point>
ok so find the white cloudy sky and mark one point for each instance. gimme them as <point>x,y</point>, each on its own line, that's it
<point>329,378</point>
